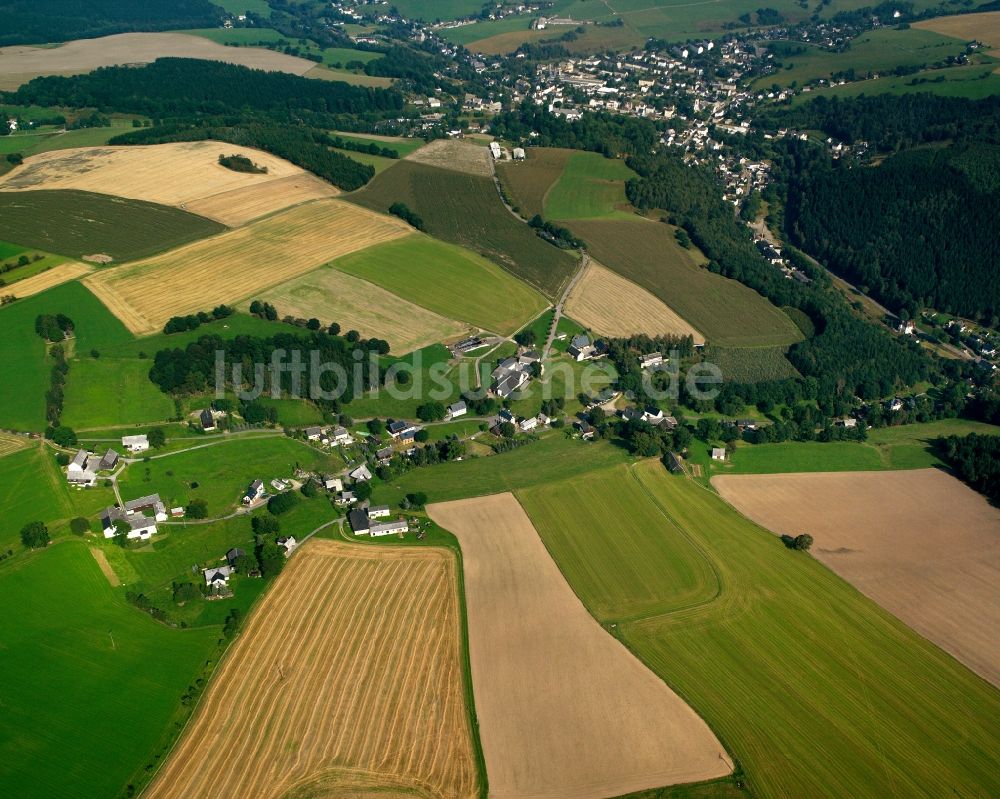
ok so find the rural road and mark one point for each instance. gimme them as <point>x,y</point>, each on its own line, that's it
<point>558,310</point>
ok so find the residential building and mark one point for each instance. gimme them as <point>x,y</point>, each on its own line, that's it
<point>457,409</point>
<point>254,493</point>
<point>217,577</point>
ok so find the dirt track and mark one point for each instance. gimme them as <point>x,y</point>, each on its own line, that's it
<point>20,64</point>
<point>346,682</point>
<point>565,711</point>
<point>920,543</point>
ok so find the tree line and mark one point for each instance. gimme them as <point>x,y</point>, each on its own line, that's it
<point>976,460</point>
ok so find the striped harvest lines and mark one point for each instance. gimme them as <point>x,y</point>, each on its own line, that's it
<point>348,677</point>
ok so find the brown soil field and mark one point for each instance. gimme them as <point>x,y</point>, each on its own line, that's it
<point>356,78</point>
<point>102,561</point>
<point>238,263</point>
<point>920,543</point>
<point>528,182</point>
<point>347,681</point>
<point>20,64</point>
<point>983,27</point>
<point>613,306</point>
<point>56,276</point>
<point>236,207</point>
<point>564,709</point>
<point>184,174</point>
<point>456,155</point>
<point>334,296</point>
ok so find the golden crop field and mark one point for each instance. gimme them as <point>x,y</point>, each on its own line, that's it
<point>19,64</point>
<point>612,305</point>
<point>454,154</point>
<point>238,206</point>
<point>334,296</point>
<point>346,681</point>
<point>564,709</point>
<point>983,27</point>
<point>239,263</point>
<point>55,276</point>
<point>179,174</point>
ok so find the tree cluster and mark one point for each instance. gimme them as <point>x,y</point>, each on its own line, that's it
<point>180,324</point>
<point>976,460</point>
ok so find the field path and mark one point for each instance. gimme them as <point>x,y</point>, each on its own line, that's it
<point>565,711</point>
<point>558,311</point>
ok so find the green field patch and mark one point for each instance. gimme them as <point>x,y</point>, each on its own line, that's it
<point>637,565</point>
<point>727,312</point>
<point>105,391</point>
<point>555,456</point>
<point>466,209</point>
<point>45,139</point>
<point>8,250</point>
<point>90,223</point>
<point>751,364</point>
<point>23,366</point>
<point>972,82</point>
<point>402,146</point>
<point>220,470</point>
<point>791,659</point>
<point>528,182</point>
<point>86,667</point>
<point>591,186</point>
<point>873,51</point>
<point>448,280</point>
<point>423,366</point>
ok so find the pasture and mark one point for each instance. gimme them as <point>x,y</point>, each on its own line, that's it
<point>101,392</point>
<point>591,186</point>
<point>265,253</point>
<point>465,209</point>
<point>528,182</point>
<point>184,174</point>
<point>586,693</point>
<point>873,51</point>
<point>725,311</point>
<point>219,470</point>
<point>812,687</point>
<point>82,649</point>
<point>610,305</point>
<point>920,543</point>
<point>332,295</point>
<point>96,224</point>
<point>448,281</point>
<point>22,63</point>
<point>364,694</point>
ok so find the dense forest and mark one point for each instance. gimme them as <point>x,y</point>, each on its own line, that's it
<point>847,356</point>
<point>39,21</point>
<point>192,370</point>
<point>919,230</point>
<point>892,121</point>
<point>976,460</point>
<point>187,86</point>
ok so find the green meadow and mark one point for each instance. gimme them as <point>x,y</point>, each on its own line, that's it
<point>102,392</point>
<point>423,366</point>
<point>814,689</point>
<point>591,186</point>
<point>448,280</point>
<point>402,146</point>
<point>973,82</point>
<point>92,686</point>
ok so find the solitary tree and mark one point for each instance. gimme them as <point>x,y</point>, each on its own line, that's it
<point>79,525</point>
<point>197,509</point>
<point>157,437</point>
<point>803,542</point>
<point>35,535</point>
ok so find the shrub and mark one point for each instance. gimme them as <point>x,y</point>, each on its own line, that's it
<point>79,525</point>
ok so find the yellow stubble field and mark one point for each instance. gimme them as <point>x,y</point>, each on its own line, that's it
<point>239,263</point>
<point>346,681</point>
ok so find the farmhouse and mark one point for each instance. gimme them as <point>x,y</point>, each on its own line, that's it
<point>457,409</point>
<point>140,525</point>
<point>718,453</point>
<point>331,483</point>
<point>79,471</point>
<point>529,424</point>
<point>362,524</point>
<point>378,511</point>
<point>400,428</point>
<point>580,348</point>
<point>135,444</point>
<point>510,375</point>
<point>254,492</point>
<point>313,433</point>
<point>108,461</point>
<point>149,502</point>
<point>207,421</point>
<point>217,577</point>
<point>340,436</point>
<point>346,498</point>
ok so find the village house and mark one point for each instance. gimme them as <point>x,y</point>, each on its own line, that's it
<point>313,433</point>
<point>378,511</point>
<point>580,348</point>
<point>135,444</point>
<point>332,483</point>
<point>718,453</point>
<point>650,360</point>
<point>79,472</point>
<point>217,577</point>
<point>401,429</point>
<point>340,437</point>
<point>108,461</point>
<point>586,430</point>
<point>254,493</point>
<point>149,502</point>
<point>362,524</point>
<point>346,498</point>
<point>141,527</point>
<point>457,409</point>
<point>361,473</point>
<point>384,455</point>
<point>287,543</point>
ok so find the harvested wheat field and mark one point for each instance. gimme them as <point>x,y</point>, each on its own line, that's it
<point>238,206</point>
<point>456,155</point>
<point>55,276</point>
<point>612,305</point>
<point>983,27</point>
<point>180,174</point>
<point>239,263</point>
<point>334,296</point>
<point>19,64</point>
<point>346,681</point>
<point>564,709</point>
<point>920,543</point>
<point>10,443</point>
